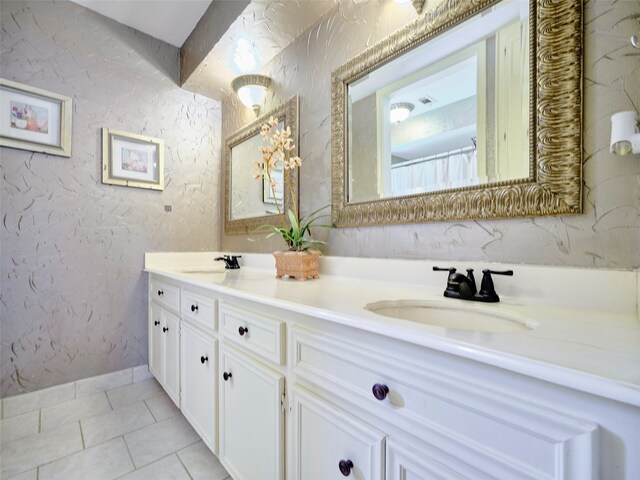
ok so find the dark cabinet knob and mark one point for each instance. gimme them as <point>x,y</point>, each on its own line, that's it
<point>226,376</point>
<point>165,329</point>
<point>242,330</point>
<point>160,293</point>
<point>204,359</point>
<point>156,323</point>
<point>194,308</point>
<point>345,467</point>
<point>380,391</point>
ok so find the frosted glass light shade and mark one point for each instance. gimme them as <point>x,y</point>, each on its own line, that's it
<point>400,112</point>
<point>251,90</point>
<point>625,138</point>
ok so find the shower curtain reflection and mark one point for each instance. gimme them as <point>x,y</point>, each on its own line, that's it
<point>437,172</point>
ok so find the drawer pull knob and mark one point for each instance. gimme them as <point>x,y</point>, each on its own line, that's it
<point>194,308</point>
<point>345,467</point>
<point>165,329</point>
<point>226,376</point>
<point>204,359</point>
<point>156,323</point>
<point>380,391</point>
<point>160,293</point>
<point>243,330</point>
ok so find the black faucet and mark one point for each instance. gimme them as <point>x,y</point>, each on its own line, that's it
<point>464,287</point>
<point>230,261</point>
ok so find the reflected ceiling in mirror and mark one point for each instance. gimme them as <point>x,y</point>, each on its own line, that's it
<point>471,111</point>
<point>453,112</point>
<point>251,203</point>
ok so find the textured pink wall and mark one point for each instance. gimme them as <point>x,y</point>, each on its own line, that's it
<point>607,234</point>
<point>73,294</point>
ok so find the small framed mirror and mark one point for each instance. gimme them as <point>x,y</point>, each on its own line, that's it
<point>251,203</point>
<point>472,111</point>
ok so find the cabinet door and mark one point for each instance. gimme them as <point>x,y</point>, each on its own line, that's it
<point>332,444</point>
<point>251,418</point>
<point>171,351</point>
<point>198,395</point>
<point>155,342</point>
<point>407,463</point>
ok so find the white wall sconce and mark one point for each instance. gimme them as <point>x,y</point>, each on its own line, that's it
<point>251,89</point>
<point>625,135</point>
<point>400,111</point>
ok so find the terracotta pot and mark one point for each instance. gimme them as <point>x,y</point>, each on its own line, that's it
<point>298,265</point>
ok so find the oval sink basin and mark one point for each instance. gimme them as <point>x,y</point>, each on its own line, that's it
<point>211,269</point>
<point>474,317</point>
<point>210,274</point>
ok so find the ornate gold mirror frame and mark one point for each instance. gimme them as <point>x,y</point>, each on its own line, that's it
<point>554,185</point>
<point>287,112</point>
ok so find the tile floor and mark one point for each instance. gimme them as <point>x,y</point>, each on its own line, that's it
<point>132,432</point>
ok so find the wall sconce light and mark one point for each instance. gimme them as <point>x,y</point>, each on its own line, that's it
<point>625,135</point>
<point>400,111</point>
<point>251,89</point>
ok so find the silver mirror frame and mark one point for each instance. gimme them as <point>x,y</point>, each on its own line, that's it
<point>554,186</point>
<point>289,112</point>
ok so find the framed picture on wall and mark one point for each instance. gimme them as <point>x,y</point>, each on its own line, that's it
<point>34,119</point>
<point>132,160</point>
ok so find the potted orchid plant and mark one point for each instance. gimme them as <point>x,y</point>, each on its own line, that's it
<point>300,261</point>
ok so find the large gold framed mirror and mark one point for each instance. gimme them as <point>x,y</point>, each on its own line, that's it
<point>472,111</point>
<point>251,203</point>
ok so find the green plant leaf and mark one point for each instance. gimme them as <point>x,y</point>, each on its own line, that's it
<point>295,226</point>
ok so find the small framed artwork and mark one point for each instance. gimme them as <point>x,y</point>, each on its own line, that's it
<point>132,160</point>
<point>267,192</point>
<point>34,119</point>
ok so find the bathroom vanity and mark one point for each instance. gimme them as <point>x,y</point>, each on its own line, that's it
<point>298,380</point>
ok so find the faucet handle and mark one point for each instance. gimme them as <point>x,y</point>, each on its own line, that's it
<point>504,272</point>
<point>439,269</point>
<point>487,289</point>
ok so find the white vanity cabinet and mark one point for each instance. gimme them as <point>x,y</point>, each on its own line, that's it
<point>330,443</point>
<point>252,393</point>
<point>251,417</point>
<point>272,385</point>
<point>199,382</point>
<point>164,337</point>
<point>462,427</point>
<point>199,363</point>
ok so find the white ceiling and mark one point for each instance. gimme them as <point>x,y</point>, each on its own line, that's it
<point>168,20</point>
<point>264,28</point>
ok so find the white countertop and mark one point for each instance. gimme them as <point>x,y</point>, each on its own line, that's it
<point>596,350</point>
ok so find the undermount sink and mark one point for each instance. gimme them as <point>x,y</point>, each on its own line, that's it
<point>214,269</point>
<point>473,317</point>
<point>210,274</point>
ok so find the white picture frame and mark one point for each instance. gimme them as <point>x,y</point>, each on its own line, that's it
<point>132,160</point>
<point>34,119</point>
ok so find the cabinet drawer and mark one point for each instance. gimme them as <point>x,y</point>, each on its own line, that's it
<point>508,435</point>
<point>258,333</point>
<point>328,440</point>
<point>202,310</point>
<point>165,294</point>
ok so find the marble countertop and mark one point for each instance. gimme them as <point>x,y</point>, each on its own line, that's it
<point>588,349</point>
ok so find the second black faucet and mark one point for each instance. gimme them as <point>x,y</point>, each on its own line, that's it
<point>464,287</point>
